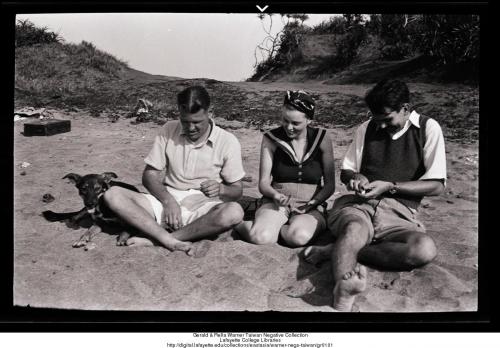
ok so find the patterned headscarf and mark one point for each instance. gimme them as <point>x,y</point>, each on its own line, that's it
<point>301,101</point>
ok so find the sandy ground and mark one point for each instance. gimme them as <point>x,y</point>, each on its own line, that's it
<point>226,273</point>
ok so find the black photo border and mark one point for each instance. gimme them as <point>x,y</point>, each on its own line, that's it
<point>22,319</point>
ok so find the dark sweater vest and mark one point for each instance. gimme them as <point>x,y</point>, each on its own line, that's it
<point>286,169</point>
<point>395,160</point>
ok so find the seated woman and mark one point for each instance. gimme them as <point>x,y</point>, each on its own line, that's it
<point>296,176</point>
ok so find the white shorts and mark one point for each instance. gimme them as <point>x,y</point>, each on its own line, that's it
<point>193,203</point>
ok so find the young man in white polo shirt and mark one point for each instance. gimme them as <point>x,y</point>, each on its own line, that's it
<point>195,198</point>
<point>396,158</point>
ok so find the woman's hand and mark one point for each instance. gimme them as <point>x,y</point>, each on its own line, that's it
<point>281,199</point>
<point>306,208</point>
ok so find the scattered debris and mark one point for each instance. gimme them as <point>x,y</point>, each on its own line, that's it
<point>114,117</point>
<point>25,164</point>
<point>30,111</point>
<point>142,111</point>
<point>472,159</point>
<point>47,198</point>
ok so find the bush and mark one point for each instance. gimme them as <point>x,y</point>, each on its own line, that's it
<point>27,34</point>
<point>334,25</point>
<point>452,39</point>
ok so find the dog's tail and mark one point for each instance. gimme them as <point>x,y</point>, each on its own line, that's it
<point>52,216</point>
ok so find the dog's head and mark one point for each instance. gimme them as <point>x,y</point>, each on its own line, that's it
<point>91,186</point>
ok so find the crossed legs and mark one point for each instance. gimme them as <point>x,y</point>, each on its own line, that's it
<point>399,251</point>
<point>135,209</point>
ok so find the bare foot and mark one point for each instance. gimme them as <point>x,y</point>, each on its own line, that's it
<point>187,247</point>
<point>318,253</point>
<point>139,241</point>
<point>346,289</point>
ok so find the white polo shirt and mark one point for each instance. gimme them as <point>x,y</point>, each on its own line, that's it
<point>188,165</point>
<point>434,149</point>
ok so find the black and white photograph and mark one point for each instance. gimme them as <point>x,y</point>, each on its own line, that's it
<point>246,162</point>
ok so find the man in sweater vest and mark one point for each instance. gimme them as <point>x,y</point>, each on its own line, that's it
<point>396,158</point>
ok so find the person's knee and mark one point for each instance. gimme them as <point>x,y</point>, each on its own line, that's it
<point>297,236</point>
<point>422,250</point>
<point>230,214</point>
<point>113,196</point>
<point>261,235</point>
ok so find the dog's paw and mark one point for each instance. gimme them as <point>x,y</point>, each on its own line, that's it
<point>122,238</point>
<point>80,243</point>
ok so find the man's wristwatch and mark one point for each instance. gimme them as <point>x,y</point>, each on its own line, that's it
<point>394,188</point>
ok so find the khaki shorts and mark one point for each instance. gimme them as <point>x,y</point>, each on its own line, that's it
<point>383,216</point>
<point>287,212</point>
<point>194,204</point>
<point>300,194</point>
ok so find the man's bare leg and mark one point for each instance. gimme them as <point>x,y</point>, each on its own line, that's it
<point>401,251</point>
<point>348,276</point>
<point>219,219</point>
<point>135,209</point>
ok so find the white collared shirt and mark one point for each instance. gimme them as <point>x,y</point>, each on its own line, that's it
<point>434,149</point>
<point>188,164</point>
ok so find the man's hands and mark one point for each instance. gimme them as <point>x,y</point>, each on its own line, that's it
<point>172,214</point>
<point>368,190</point>
<point>210,188</point>
<point>357,183</point>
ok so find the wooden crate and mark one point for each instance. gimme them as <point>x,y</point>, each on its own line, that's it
<point>46,127</point>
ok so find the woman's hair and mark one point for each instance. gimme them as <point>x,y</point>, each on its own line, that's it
<point>301,101</point>
<point>192,99</point>
<point>392,94</point>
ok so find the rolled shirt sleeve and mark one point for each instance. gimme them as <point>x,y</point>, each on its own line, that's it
<point>434,152</point>
<point>354,154</point>
<point>232,169</point>
<point>157,155</point>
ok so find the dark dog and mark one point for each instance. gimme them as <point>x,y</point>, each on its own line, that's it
<point>91,188</point>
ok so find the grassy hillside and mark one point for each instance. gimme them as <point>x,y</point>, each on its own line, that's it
<point>355,48</point>
<point>80,77</point>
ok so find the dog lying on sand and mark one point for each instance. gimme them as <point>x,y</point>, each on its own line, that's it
<point>91,188</point>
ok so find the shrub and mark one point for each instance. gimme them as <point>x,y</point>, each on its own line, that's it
<point>452,39</point>
<point>27,34</point>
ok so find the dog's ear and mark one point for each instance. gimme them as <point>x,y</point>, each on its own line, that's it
<point>108,176</point>
<point>75,178</point>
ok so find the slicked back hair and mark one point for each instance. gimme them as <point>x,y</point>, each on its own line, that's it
<point>193,99</point>
<point>392,94</point>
